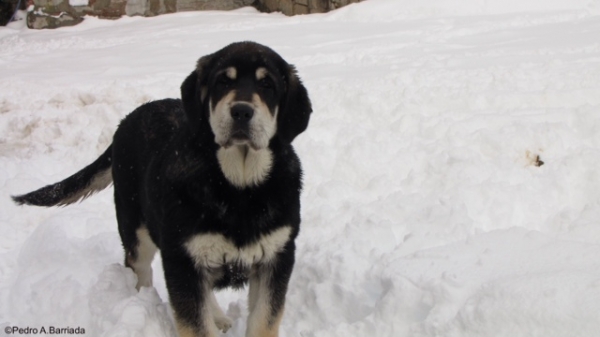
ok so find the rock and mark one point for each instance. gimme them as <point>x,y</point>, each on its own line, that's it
<point>300,9</point>
<point>295,7</point>
<point>40,20</point>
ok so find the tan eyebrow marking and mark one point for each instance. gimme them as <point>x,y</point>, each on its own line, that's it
<point>261,73</point>
<point>231,72</point>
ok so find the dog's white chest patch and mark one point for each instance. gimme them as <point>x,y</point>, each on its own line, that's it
<point>242,168</point>
<point>214,250</point>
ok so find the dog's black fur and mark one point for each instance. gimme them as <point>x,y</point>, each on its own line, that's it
<point>170,185</point>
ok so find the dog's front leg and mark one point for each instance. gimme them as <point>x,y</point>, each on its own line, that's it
<point>189,293</point>
<point>266,300</point>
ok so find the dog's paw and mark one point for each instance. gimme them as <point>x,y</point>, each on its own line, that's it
<point>224,323</point>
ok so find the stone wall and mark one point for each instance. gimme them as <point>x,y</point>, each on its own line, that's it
<point>60,13</point>
<point>294,7</point>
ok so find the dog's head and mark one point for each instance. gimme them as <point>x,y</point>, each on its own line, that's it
<point>247,94</point>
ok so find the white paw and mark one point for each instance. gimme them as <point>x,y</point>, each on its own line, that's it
<point>224,323</point>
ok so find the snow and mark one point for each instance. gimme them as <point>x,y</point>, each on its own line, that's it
<point>78,2</point>
<point>425,212</point>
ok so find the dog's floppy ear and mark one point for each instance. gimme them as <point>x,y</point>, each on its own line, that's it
<point>296,109</point>
<point>194,91</point>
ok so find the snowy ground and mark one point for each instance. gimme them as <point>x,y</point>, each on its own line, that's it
<point>424,212</point>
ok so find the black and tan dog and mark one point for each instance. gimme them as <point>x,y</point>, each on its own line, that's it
<point>213,182</point>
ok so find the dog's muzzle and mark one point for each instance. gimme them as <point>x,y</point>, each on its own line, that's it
<point>242,115</point>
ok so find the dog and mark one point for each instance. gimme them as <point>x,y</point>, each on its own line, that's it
<point>213,182</point>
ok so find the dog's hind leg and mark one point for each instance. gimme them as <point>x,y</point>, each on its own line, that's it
<point>140,258</point>
<point>138,245</point>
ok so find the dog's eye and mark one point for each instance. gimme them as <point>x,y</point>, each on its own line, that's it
<point>266,83</point>
<point>223,80</point>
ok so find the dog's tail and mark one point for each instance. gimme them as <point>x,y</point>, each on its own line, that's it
<point>91,179</point>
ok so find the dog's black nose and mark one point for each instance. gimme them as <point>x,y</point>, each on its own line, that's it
<point>242,113</point>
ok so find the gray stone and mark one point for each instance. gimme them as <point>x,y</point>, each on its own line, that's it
<point>53,7</point>
<point>136,7</point>
<point>40,20</point>
<point>286,7</point>
<point>300,9</point>
<point>191,5</point>
<point>318,6</point>
<point>110,9</point>
<point>47,3</point>
<point>268,5</point>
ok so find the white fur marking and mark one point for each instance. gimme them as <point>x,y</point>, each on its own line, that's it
<point>214,250</point>
<point>244,166</point>
<point>142,266</point>
<point>99,182</point>
<point>220,119</point>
